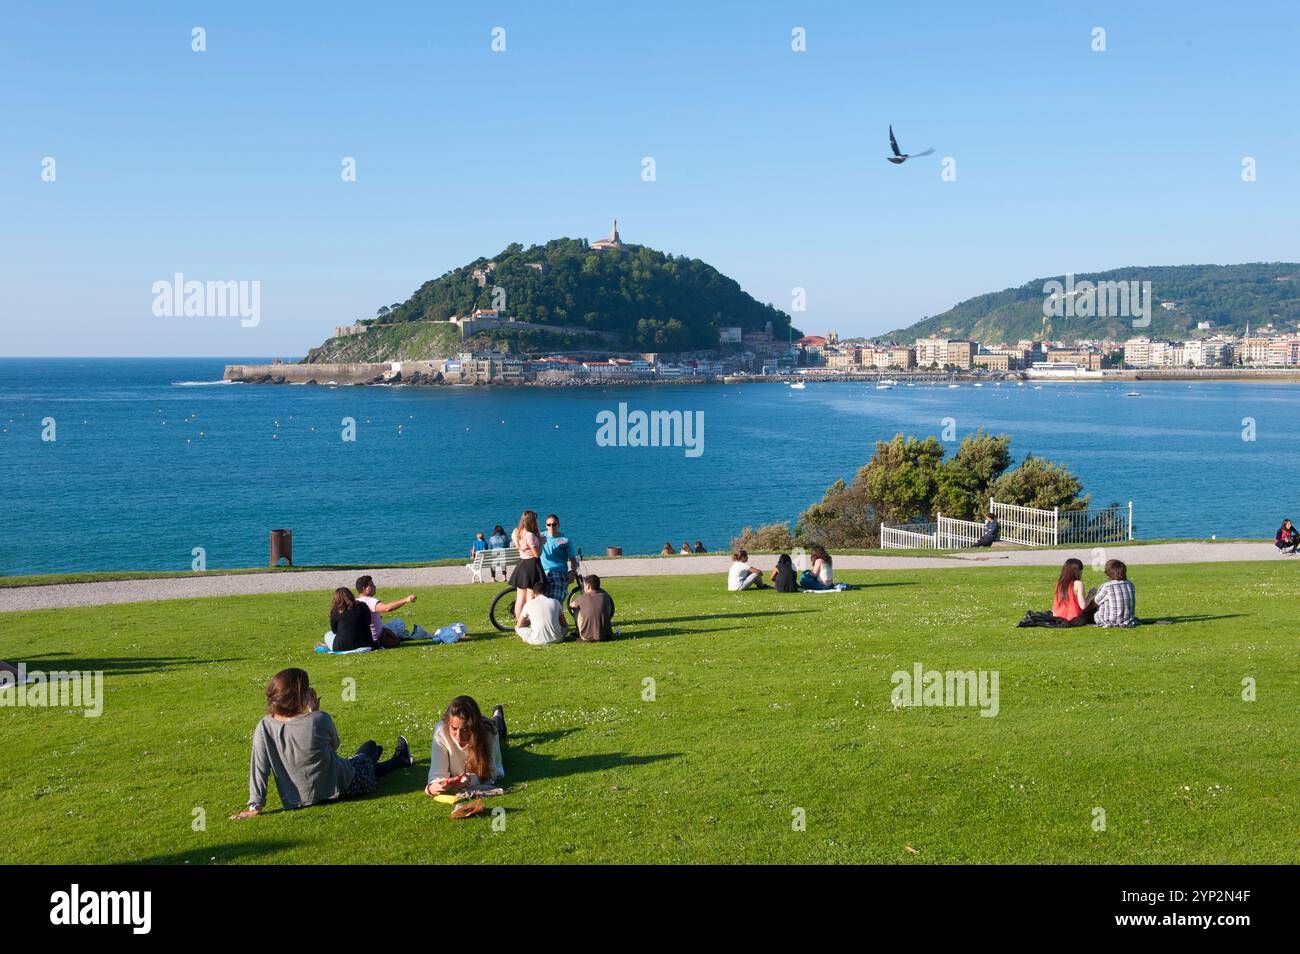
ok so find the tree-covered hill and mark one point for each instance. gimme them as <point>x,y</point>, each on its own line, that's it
<point>651,300</point>
<point>1227,295</point>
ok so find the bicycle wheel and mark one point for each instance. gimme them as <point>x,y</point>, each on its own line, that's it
<point>502,612</point>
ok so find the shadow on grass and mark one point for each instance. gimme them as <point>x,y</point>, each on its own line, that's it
<point>121,666</point>
<point>219,854</point>
<point>707,616</point>
<point>524,765</point>
<point>1145,621</point>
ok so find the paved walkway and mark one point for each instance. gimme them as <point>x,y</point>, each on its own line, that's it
<point>141,591</point>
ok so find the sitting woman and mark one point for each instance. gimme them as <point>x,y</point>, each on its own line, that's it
<point>1068,600</point>
<point>783,577</point>
<point>820,576</point>
<point>1287,537</point>
<point>466,748</point>
<point>667,550</point>
<point>699,547</point>
<point>685,550</point>
<point>349,623</point>
<point>298,744</point>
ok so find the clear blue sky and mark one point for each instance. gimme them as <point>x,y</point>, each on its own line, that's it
<point>226,164</point>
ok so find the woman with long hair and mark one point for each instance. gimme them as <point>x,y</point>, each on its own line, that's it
<point>297,744</point>
<point>820,576</point>
<point>527,578</point>
<point>349,623</point>
<point>466,748</point>
<point>783,577</point>
<point>1068,600</point>
<point>1287,538</point>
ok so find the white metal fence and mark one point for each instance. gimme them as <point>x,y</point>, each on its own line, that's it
<point>1025,526</point>
<point>910,536</point>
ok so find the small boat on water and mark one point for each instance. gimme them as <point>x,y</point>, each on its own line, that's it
<point>979,384</point>
<point>1132,393</point>
<point>798,385</point>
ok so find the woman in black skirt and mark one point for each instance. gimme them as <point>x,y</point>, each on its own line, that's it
<point>527,578</point>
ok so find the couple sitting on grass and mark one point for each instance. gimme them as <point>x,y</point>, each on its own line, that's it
<point>742,576</point>
<point>1113,604</point>
<point>297,744</point>
<point>543,621</point>
<point>357,622</point>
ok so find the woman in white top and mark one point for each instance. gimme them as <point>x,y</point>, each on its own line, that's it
<point>466,748</point>
<point>820,577</point>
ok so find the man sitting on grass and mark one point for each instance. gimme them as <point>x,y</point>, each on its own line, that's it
<point>595,611</point>
<point>539,622</point>
<point>742,576</point>
<point>1116,599</point>
<point>390,634</point>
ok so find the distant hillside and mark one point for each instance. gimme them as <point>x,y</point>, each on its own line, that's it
<point>1228,295</point>
<point>642,298</point>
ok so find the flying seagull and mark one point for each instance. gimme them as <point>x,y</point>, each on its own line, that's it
<point>899,157</point>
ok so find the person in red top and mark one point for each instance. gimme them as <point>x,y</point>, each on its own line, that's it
<point>1068,602</point>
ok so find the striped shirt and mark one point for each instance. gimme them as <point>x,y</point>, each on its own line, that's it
<point>1116,604</point>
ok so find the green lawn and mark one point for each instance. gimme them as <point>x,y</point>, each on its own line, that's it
<point>764,704</point>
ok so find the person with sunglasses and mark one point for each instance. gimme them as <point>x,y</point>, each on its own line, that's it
<point>559,556</point>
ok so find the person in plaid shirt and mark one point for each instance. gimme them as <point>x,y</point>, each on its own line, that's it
<point>1116,599</point>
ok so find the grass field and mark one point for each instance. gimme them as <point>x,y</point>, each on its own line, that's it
<point>763,704</point>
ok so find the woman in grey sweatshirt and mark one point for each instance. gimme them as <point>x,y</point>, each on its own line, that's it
<point>297,744</point>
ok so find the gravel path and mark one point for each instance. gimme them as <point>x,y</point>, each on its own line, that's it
<point>139,591</point>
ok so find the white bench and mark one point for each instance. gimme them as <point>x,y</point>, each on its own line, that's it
<point>505,560</point>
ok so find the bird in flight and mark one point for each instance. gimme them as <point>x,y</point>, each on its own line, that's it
<point>899,157</point>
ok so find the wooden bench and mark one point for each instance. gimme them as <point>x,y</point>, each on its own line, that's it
<point>505,560</point>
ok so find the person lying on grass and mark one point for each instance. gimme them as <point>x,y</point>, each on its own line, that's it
<point>742,576</point>
<point>297,744</point>
<point>396,630</point>
<point>466,748</point>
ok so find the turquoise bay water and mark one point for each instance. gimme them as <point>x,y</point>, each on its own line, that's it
<point>152,459</point>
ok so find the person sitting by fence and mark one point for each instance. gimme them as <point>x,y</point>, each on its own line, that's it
<point>992,531</point>
<point>1116,599</point>
<point>686,549</point>
<point>819,576</point>
<point>742,576</point>
<point>1287,537</point>
<point>297,744</point>
<point>699,547</point>
<point>783,577</point>
<point>668,550</point>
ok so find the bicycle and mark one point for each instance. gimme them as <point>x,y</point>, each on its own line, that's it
<point>501,614</point>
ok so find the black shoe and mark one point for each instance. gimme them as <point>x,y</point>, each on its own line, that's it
<point>499,716</point>
<point>403,751</point>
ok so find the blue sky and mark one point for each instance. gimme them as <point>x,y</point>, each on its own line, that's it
<point>225,164</point>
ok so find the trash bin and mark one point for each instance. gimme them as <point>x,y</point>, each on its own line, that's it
<point>281,546</point>
<point>613,551</point>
